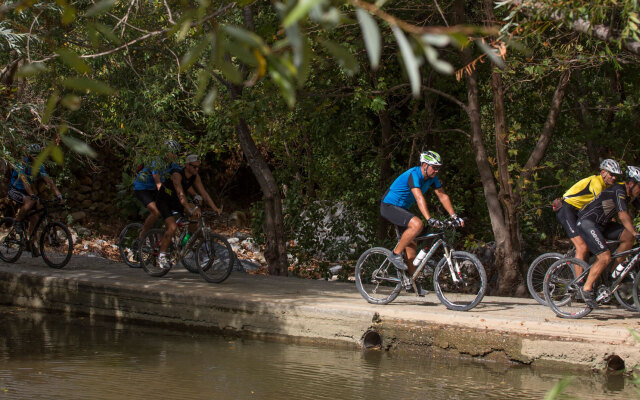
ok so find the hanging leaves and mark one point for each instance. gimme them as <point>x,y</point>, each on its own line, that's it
<point>411,63</point>
<point>371,36</point>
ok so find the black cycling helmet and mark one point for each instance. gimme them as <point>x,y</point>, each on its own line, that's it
<point>34,148</point>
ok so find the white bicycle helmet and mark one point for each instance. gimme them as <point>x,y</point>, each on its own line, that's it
<point>611,166</point>
<point>633,173</point>
<point>173,146</point>
<point>430,157</point>
<point>34,148</point>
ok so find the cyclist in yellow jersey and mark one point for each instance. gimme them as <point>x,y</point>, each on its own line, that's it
<point>581,194</point>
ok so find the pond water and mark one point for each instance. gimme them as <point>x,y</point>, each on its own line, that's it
<point>57,356</point>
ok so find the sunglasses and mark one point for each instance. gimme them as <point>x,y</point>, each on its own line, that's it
<point>194,166</point>
<point>435,167</point>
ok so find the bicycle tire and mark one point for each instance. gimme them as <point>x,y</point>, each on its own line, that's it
<point>536,273</point>
<point>467,289</point>
<point>375,272</point>
<point>189,261</point>
<point>12,242</point>
<point>636,291</point>
<point>214,258</point>
<point>149,250</point>
<point>56,245</point>
<point>561,294</point>
<point>624,294</point>
<point>126,239</point>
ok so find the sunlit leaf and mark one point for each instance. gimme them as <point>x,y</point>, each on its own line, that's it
<point>411,63</point>
<point>72,102</point>
<point>209,101</point>
<point>439,65</point>
<point>31,70</point>
<point>184,29</point>
<point>78,146</point>
<point>56,153</point>
<point>48,109</point>
<point>73,60</point>
<point>100,8</point>
<point>345,59</point>
<point>42,157</point>
<point>557,390</point>
<point>203,81</point>
<point>244,36</point>
<point>194,53</point>
<point>108,33</point>
<point>299,11</point>
<point>491,53</point>
<point>371,36</point>
<point>286,87</point>
<point>88,85</point>
<point>437,40</point>
<point>305,68</point>
<point>68,14</point>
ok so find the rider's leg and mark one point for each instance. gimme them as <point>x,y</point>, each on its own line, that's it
<point>171,225</point>
<point>154,213</point>
<point>27,205</point>
<point>412,231</point>
<point>597,268</point>
<point>411,255</point>
<point>581,251</point>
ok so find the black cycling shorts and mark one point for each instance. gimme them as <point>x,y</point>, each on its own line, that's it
<point>146,196</point>
<point>168,205</point>
<point>567,215</point>
<point>595,236</point>
<point>17,195</point>
<point>396,215</point>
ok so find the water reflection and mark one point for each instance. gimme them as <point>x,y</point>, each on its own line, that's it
<point>58,356</point>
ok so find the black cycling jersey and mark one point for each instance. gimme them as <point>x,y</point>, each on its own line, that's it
<point>606,205</point>
<point>169,189</point>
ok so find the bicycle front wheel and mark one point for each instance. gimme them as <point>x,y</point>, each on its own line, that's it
<point>214,258</point>
<point>129,245</point>
<point>624,294</point>
<point>536,273</point>
<point>149,251</point>
<point>461,285</point>
<point>562,292</point>
<point>11,242</point>
<point>56,245</point>
<point>377,279</point>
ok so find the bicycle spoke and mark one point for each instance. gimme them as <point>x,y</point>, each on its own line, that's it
<point>377,279</point>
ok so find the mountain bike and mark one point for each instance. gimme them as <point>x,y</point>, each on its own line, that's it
<point>214,257</point>
<point>55,241</point>
<point>562,287</point>
<point>459,279</point>
<point>129,247</point>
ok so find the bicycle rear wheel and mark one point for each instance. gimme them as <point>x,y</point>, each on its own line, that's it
<point>537,271</point>
<point>465,286</point>
<point>624,294</point>
<point>11,242</point>
<point>189,261</point>
<point>149,250</point>
<point>636,291</point>
<point>129,245</point>
<point>377,279</point>
<point>214,258</point>
<point>561,291</point>
<point>56,245</point>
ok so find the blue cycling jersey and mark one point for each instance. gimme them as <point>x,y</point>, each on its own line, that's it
<point>399,193</point>
<point>24,168</point>
<point>145,181</point>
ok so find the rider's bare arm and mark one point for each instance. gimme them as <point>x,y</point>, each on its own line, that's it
<point>51,184</point>
<point>26,184</point>
<point>625,220</point>
<point>200,188</point>
<point>446,203</point>
<point>176,178</point>
<point>421,202</point>
<point>156,179</point>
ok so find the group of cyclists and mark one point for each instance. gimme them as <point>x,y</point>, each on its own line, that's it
<point>591,212</point>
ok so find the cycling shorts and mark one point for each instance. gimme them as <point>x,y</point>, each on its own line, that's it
<point>567,215</point>
<point>396,215</point>
<point>596,236</point>
<point>17,195</point>
<point>168,205</point>
<point>146,196</point>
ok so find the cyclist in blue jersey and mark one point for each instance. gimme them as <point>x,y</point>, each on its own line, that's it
<point>22,192</point>
<point>148,182</point>
<point>409,188</point>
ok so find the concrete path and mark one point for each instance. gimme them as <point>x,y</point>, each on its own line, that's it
<point>503,329</point>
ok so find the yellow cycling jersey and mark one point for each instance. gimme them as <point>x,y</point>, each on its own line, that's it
<point>584,191</point>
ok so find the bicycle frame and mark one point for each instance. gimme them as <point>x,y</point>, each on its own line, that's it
<point>201,231</point>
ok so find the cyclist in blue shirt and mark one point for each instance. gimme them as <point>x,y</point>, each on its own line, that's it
<point>148,182</point>
<point>22,192</point>
<point>407,189</point>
